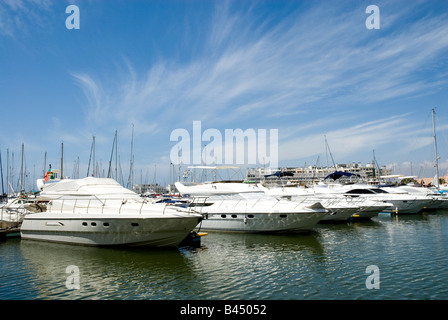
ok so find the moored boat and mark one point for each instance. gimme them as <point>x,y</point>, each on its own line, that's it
<point>340,207</point>
<point>100,212</point>
<point>401,203</point>
<point>248,209</point>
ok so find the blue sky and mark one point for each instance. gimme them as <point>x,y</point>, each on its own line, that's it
<point>310,69</point>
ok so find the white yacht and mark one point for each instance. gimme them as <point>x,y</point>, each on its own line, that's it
<point>340,208</point>
<point>216,188</point>
<point>436,200</point>
<point>402,203</point>
<point>100,212</point>
<point>13,211</point>
<point>246,208</point>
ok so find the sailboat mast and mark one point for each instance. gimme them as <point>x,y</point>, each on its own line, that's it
<point>62,160</point>
<point>94,164</point>
<point>21,171</point>
<point>45,164</point>
<point>327,147</point>
<point>131,166</point>
<point>1,168</point>
<point>116,156</point>
<point>435,149</point>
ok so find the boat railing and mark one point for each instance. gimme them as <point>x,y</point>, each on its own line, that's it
<point>13,212</point>
<point>197,202</point>
<point>93,204</point>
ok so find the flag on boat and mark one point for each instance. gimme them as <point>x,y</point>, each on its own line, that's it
<point>48,175</point>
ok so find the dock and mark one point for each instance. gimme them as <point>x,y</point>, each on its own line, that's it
<point>12,232</point>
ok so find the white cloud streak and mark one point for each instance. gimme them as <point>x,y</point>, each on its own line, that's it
<point>249,74</point>
<point>19,16</point>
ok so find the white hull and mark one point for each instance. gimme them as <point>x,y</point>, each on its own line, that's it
<point>401,203</point>
<point>239,207</point>
<point>261,215</point>
<point>97,230</point>
<point>100,212</point>
<point>408,206</point>
<point>339,207</point>
<point>339,214</point>
<point>261,222</point>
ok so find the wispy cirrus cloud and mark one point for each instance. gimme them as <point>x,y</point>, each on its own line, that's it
<point>17,16</point>
<point>250,73</point>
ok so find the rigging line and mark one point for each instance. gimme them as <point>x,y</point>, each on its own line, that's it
<point>440,129</point>
<point>90,158</point>
<point>111,155</point>
<point>443,134</point>
<point>1,168</point>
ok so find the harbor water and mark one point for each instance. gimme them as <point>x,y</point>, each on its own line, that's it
<point>389,257</point>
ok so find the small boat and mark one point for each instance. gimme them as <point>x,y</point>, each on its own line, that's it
<point>239,207</point>
<point>100,212</point>
<point>14,210</point>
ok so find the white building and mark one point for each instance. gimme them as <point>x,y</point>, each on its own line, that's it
<point>313,174</point>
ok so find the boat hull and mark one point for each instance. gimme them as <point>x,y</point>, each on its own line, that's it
<point>408,206</point>
<point>261,222</point>
<point>339,214</point>
<point>94,230</point>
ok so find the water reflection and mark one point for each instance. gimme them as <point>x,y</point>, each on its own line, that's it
<point>327,263</point>
<point>104,273</point>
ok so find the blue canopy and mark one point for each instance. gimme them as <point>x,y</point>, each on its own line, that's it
<point>338,174</point>
<point>280,174</point>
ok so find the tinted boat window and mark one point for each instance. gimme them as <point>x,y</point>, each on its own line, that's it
<point>379,191</point>
<point>360,191</point>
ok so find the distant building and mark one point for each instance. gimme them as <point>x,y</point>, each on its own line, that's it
<point>149,189</point>
<point>430,181</point>
<point>312,174</point>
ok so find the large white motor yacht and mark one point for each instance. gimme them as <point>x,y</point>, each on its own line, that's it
<point>402,203</point>
<point>239,207</point>
<point>100,212</point>
<point>340,207</point>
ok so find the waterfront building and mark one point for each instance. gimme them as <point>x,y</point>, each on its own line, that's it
<point>312,174</point>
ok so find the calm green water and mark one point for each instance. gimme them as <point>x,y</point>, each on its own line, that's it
<point>410,253</point>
